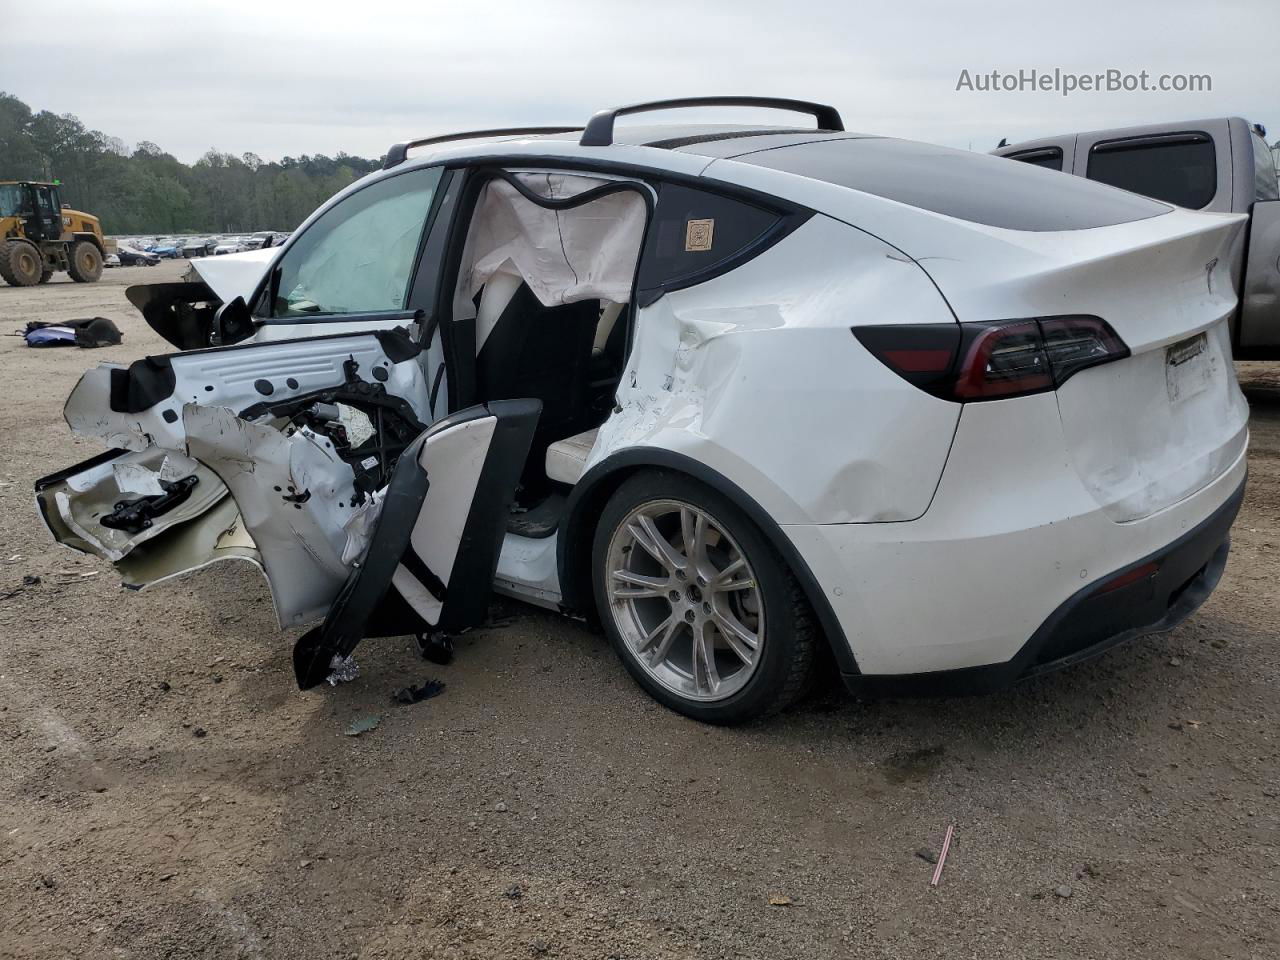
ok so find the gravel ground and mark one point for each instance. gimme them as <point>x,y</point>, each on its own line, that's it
<point>165,790</point>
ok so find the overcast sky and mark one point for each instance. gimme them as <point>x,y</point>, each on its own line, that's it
<point>279,77</point>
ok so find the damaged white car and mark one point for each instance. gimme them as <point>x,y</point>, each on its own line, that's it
<point>757,399</point>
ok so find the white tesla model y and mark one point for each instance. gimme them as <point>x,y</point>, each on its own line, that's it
<point>744,395</point>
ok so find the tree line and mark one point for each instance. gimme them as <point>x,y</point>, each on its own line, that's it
<point>143,190</point>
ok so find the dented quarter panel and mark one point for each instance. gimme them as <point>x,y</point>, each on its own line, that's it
<point>756,373</point>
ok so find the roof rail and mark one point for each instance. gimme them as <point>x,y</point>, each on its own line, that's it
<point>398,151</point>
<point>599,130</point>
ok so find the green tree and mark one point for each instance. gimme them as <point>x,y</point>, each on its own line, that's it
<point>145,190</point>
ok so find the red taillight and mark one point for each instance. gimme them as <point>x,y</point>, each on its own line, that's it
<point>1129,577</point>
<point>993,361</point>
<point>919,361</point>
<point>1004,361</point>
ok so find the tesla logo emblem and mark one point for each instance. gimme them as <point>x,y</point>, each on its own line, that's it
<point>1208,273</point>
<point>698,235</point>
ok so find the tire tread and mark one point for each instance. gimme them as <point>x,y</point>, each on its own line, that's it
<point>7,252</point>
<point>73,268</point>
<point>803,654</point>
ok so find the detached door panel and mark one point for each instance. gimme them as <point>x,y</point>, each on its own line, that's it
<point>263,452</point>
<point>434,548</point>
<point>141,405</point>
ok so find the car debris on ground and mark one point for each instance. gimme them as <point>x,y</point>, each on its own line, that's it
<point>424,691</point>
<point>362,725</point>
<point>87,333</point>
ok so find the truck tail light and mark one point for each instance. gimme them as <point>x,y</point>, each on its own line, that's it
<point>993,361</point>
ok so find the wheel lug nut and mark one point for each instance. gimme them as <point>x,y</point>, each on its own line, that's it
<point>680,575</point>
<point>674,596</point>
<point>690,616</point>
<point>706,608</point>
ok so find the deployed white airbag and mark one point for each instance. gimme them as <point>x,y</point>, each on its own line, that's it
<point>587,252</point>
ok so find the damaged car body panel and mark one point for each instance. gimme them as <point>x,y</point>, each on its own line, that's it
<point>290,489</point>
<point>433,548</point>
<point>235,274</point>
<point>727,362</point>
<point>296,436</point>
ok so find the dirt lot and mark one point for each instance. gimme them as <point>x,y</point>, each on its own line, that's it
<point>166,791</point>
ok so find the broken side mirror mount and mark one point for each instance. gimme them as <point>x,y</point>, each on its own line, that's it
<point>231,323</point>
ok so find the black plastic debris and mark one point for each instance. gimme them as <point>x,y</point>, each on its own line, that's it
<point>436,647</point>
<point>428,689</point>
<point>88,332</point>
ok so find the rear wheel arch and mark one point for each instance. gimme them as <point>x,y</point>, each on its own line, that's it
<point>598,484</point>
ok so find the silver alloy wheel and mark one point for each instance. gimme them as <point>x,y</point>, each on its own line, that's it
<point>685,600</point>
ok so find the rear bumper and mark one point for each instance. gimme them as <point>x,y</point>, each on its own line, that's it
<point>1011,539</point>
<point>1095,619</point>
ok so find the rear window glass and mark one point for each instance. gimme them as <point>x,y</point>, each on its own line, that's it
<point>694,231</point>
<point>1182,169</point>
<point>968,186</point>
<point>1049,157</point>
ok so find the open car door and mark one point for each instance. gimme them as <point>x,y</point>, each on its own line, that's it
<point>307,458</point>
<point>434,547</point>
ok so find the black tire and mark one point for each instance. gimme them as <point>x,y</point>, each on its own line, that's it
<point>20,263</point>
<point>45,275</point>
<point>86,262</point>
<point>791,635</point>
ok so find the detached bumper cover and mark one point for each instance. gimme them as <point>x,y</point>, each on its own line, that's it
<point>1096,619</point>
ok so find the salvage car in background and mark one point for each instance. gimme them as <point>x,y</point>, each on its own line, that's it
<point>1221,165</point>
<point>739,393</point>
<point>196,247</point>
<point>132,257</point>
<point>166,249</point>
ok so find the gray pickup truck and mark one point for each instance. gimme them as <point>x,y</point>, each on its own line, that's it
<point>1222,166</point>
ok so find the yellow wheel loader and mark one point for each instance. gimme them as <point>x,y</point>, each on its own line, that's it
<point>38,236</point>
